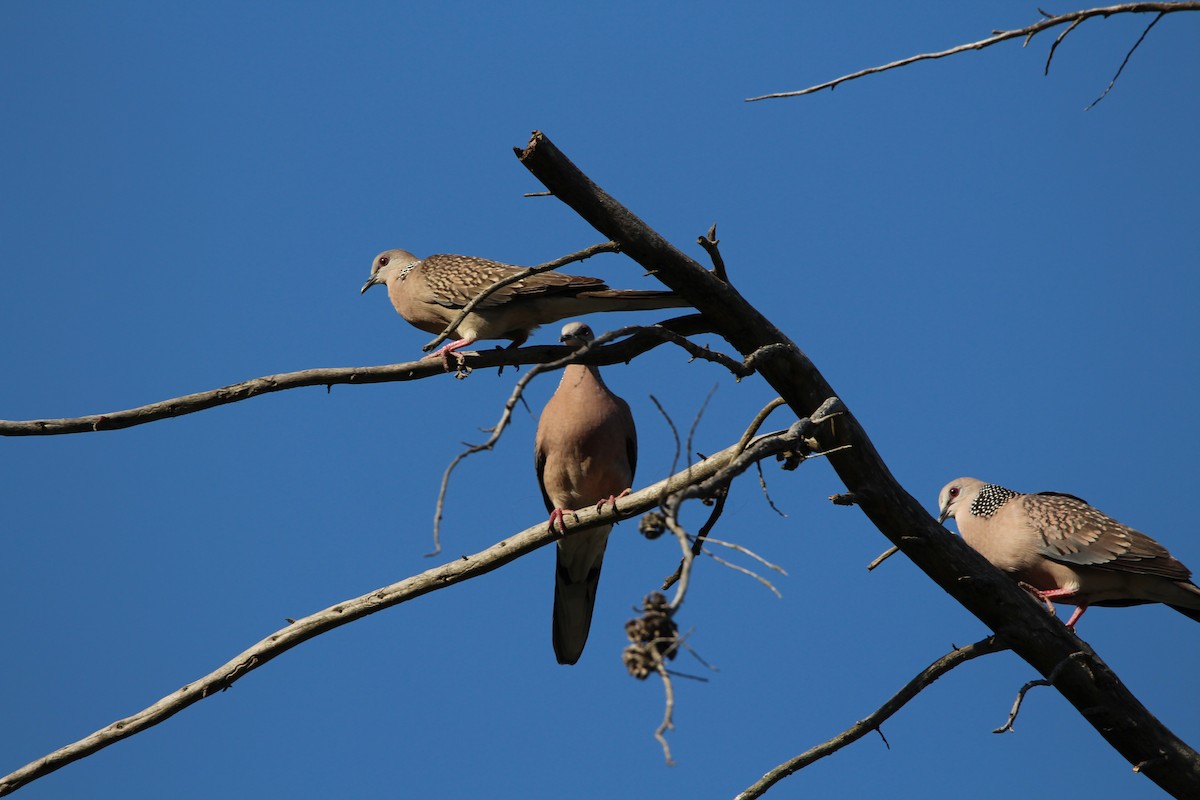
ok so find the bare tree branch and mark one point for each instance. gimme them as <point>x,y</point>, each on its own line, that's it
<point>1028,33</point>
<point>872,721</point>
<point>461,569</point>
<point>688,325</point>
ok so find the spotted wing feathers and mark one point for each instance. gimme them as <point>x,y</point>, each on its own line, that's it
<point>1074,532</point>
<point>454,281</point>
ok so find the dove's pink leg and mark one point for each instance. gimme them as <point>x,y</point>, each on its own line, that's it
<point>1079,609</point>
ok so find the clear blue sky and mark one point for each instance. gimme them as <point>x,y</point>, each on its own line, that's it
<point>999,283</point>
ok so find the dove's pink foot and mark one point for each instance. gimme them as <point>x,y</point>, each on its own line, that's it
<point>445,351</point>
<point>612,500</point>
<point>557,516</point>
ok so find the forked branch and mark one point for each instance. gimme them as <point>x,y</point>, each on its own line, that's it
<point>1027,33</point>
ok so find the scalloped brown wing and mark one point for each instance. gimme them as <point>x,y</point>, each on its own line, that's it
<point>1075,533</point>
<point>454,281</point>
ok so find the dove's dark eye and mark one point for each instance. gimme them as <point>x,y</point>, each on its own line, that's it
<point>383,261</point>
<point>954,491</point>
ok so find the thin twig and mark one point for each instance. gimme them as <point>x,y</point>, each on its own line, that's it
<point>1047,681</point>
<point>744,571</point>
<point>882,557</point>
<point>674,432</point>
<point>748,552</point>
<point>762,447</point>
<point>683,574</point>
<point>683,645</point>
<point>696,420</point>
<point>999,36</point>
<point>1012,715</point>
<point>759,419</point>
<point>873,721</point>
<point>668,712</point>
<point>711,245</point>
<point>755,424</point>
<point>1121,68</point>
<point>1057,42</point>
<point>762,482</point>
<point>587,252</point>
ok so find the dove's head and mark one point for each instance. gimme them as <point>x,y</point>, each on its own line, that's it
<point>387,264</point>
<point>576,334</point>
<point>956,495</point>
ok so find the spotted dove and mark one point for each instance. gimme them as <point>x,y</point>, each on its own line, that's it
<point>585,454</point>
<point>430,292</point>
<point>1066,550</point>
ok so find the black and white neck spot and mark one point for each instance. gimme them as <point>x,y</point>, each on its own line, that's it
<point>989,500</point>
<point>404,272</point>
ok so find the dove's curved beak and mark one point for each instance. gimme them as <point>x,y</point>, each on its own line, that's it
<point>371,281</point>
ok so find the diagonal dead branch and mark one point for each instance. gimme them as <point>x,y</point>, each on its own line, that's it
<point>619,353</point>
<point>1027,33</point>
<point>872,721</point>
<point>1095,691</point>
<point>458,570</point>
<point>587,252</point>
